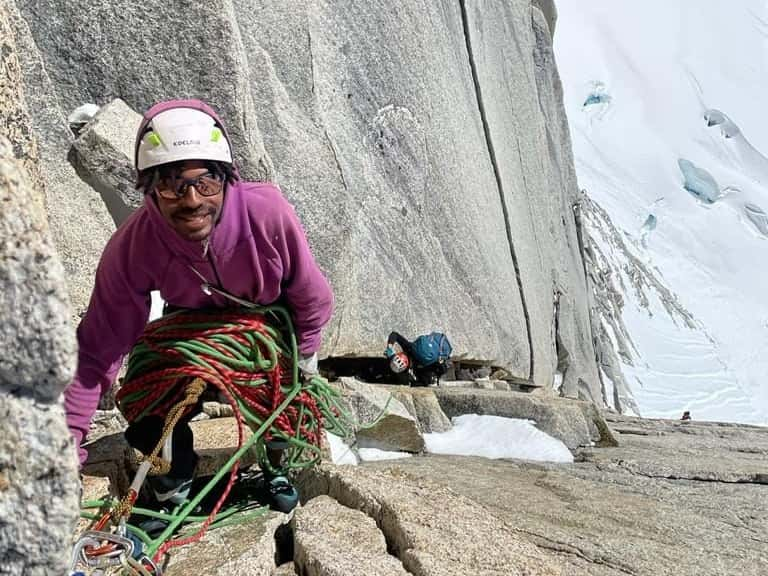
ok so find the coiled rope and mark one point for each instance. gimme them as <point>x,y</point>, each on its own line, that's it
<point>245,355</point>
<point>249,356</point>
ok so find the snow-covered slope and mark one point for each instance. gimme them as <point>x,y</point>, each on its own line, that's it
<point>668,108</point>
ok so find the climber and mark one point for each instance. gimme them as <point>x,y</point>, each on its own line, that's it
<point>199,223</point>
<point>426,358</point>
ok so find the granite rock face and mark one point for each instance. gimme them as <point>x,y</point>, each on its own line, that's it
<point>38,469</point>
<point>143,53</point>
<point>79,221</point>
<point>433,530</point>
<point>429,168</point>
<point>35,333</point>
<point>38,487</point>
<point>333,540</point>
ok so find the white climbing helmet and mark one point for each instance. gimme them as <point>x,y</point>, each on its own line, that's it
<point>399,362</point>
<point>182,134</point>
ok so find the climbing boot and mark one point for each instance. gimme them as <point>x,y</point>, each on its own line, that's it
<point>170,491</point>
<point>280,493</point>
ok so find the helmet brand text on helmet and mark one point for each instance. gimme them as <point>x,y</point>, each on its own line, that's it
<point>186,142</point>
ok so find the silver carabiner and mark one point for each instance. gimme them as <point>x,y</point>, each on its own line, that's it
<point>156,570</point>
<point>81,543</point>
<point>96,538</point>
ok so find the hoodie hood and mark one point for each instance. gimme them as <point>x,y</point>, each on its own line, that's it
<point>193,249</point>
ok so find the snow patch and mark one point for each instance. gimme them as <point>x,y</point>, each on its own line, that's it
<point>340,452</point>
<point>497,437</point>
<point>374,454</point>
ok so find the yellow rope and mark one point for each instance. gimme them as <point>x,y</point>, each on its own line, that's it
<point>192,395</point>
<point>159,464</point>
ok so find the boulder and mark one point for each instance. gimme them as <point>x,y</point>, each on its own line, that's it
<point>395,428</point>
<point>573,422</point>
<point>102,154</point>
<point>333,540</point>
<point>426,408</point>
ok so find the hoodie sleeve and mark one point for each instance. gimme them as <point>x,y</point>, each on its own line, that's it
<point>306,289</point>
<point>115,318</point>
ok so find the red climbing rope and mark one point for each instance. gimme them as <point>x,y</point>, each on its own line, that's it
<point>240,354</point>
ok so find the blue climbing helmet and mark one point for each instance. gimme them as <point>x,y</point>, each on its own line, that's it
<point>432,348</point>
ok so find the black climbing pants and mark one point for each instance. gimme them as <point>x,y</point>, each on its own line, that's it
<point>146,433</point>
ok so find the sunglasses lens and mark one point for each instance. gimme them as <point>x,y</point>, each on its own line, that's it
<point>172,188</point>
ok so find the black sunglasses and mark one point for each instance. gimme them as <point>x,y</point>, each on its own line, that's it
<point>174,188</point>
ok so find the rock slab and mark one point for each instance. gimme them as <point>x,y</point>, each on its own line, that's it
<point>332,540</point>
<point>671,499</point>
<point>433,530</point>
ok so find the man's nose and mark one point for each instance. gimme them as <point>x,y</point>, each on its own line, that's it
<point>191,198</point>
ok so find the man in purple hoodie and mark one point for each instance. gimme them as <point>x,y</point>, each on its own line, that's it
<point>199,223</point>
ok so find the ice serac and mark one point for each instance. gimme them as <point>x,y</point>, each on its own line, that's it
<point>699,182</point>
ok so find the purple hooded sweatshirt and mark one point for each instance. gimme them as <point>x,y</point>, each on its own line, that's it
<point>257,251</point>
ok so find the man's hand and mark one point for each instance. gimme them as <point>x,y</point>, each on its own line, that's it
<point>308,365</point>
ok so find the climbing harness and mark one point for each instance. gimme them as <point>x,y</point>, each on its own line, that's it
<point>249,355</point>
